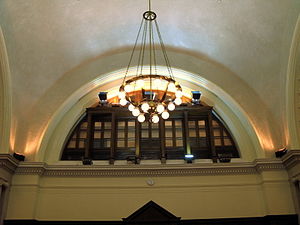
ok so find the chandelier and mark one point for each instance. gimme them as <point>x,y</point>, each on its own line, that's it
<point>148,94</point>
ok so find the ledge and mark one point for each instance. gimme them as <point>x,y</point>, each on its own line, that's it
<point>31,168</point>
<point>8,163</point>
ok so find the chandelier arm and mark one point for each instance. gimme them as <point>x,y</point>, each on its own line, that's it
<point>133,50</point>
<point>164,51</point>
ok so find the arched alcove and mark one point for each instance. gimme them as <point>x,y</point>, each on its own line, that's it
<point>72,109</point>
<point>5,98</point>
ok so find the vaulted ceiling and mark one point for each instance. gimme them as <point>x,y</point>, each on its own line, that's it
<point>250,39</point>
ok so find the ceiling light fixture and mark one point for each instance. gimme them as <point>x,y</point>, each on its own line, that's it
<point>149,94</point>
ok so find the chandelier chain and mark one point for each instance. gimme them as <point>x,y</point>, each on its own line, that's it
<point>164,51</point>
<point>133,50</point>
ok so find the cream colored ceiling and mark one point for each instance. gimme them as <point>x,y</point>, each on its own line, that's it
<point>46,39</point>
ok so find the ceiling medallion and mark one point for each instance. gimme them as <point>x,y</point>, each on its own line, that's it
<point>150,95</point>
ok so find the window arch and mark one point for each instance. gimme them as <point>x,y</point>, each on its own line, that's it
<point>110,132</point>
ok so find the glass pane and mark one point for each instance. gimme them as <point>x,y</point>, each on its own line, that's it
<point>107,143</point>
<point>121,134</point>
<point>84,125</point>
<point>217,132</point>
<point>169,133</point>
<point>179,143</point>
<point>97,134</point>
<point>131,143</point>
<point>81,144</point>
<point>202,133</point>
<point>227,141</point>
<point>97,125</point>
<point>218,142</point>
<point>201,123</point>
<point>155,133</point>
<point>215,123</point>
<point>96,144</point>
<point>169,143</point>
<point>121,124</point>
<point>178,123</point>
<point>154,125</point>
<point>168,123</point>
<point>192,124</point>
<point>224,134</point>
<point>192,132</point>
<point>131,133</point>
<point>178,133</point>
<point>131,123</point>
<point>121,144</point>
<point>82,134</point>
<point>72,144</point>
<point>145,125</point>
<point>107,125</point>
<point>145,133</point>
<point>107,134</point>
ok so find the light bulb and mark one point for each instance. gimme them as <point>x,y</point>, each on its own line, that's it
<point>155,118</point>
<point>160,108</point>
<point>178,94</point>
<point>131,107</point>
<point>171,87</point>
<point>122,94</point>
<point>171,106</point>
<point>128,88</point>
<point>145,106</point>
<point>123,101</point>
<point>135,111</point>
<point>178,101</point>
<point>140,83</point>
<point>141,118</point>
<point>165,115</point>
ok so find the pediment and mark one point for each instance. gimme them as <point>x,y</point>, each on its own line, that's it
<point>151,212</point>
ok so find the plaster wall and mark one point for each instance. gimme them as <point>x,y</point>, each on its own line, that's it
<point>191,197</point>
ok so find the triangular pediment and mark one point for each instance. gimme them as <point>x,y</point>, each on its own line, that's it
<point>151,212</point>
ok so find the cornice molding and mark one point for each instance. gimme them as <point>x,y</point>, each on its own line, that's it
<point>8,163</point>
<point>258,166</point>
<point>291,160</point>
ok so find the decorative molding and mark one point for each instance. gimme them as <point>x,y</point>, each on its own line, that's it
<point>291,158</point>
<point>8,162</point>
<point>200,169</point>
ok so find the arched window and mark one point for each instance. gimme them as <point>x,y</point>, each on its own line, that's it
<point>111,133</point>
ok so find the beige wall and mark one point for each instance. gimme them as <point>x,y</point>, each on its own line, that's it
<point>190,197</point>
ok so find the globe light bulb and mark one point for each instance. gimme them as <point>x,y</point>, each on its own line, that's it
<point>145,106</point>
<point>178,101</point>
<point>123,101</point>
<point>122,94</point>
<point>178,94</point>
<point>160,108</point>
<point>128,88</point>
<point>140,83</point>
<point>141,118</point>
<point>165,115</point>
<point>135,112</point>
<point>131,107</point>
<point>155,118</point>
<point>171,87</point>
<point>171,106</point>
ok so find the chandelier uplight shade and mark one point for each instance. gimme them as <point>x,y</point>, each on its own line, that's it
<point>149,95</point>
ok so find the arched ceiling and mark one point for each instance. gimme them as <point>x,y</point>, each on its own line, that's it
<point>47,39</point>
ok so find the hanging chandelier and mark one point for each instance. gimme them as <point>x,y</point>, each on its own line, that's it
<point>148,94</point>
